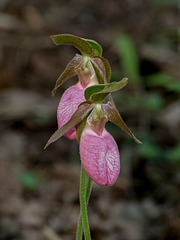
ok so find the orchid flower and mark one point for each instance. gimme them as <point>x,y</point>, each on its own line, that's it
<point>74,95</point>
<point>99,151</point>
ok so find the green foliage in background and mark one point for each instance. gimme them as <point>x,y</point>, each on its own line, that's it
<point>129,58</point>
<point>29,180</point>
<point>147,97</point>
<point>169,3</point>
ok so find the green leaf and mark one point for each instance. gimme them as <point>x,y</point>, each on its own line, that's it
<point>99,92</point>
<point>166,3</point>
<point>82,111</point>
<point>154,101</point>
<point>68,72</point>
<point>151,151</point>
<point>29,180</point>
<point>107,68</point>
<point>174,87</point>
<point>113,115</point>
<point>96,47</point>
<point>173,154</point>
<point>67,39</point>
<point>158,80</point>
<point>128,57</point>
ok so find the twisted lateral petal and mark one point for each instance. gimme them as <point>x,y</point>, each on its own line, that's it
<point>68,104</point>
<point>100,156</point>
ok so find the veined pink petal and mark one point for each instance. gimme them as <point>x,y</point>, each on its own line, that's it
<point>68,104</point>
<point>100,156</point>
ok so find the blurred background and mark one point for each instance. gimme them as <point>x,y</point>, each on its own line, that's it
<point>39,189</point>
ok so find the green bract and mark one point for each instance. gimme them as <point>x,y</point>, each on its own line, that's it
<point>97,93</point>
<point>87,47</point>
<point>96,47</point>
<point>67,39</point>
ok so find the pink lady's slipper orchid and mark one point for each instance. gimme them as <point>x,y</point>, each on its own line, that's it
<point>99,153</point>
<point>74,96</point>
<point>83,112</point>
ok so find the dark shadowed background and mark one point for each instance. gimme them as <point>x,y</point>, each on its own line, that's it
<point>39,189</point>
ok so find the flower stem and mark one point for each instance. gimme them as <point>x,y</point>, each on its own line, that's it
<point>79,227</point>
<point>83,203</point>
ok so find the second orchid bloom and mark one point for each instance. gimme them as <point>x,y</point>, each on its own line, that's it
<point>98,149</point>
